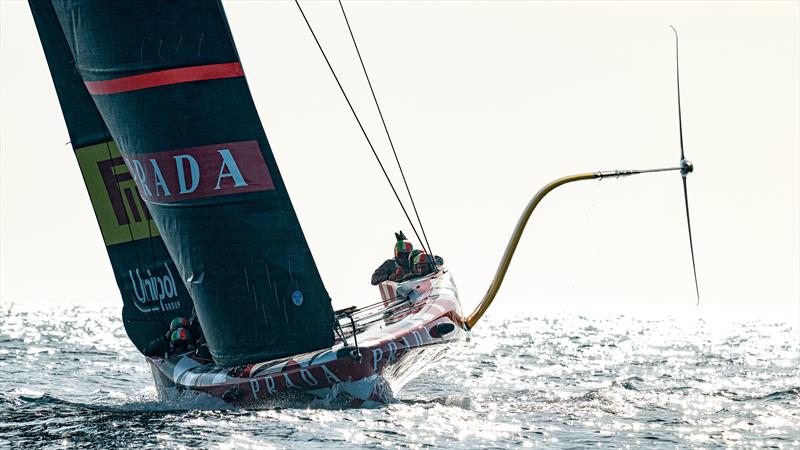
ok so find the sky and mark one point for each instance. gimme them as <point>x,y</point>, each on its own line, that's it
<point>486,102</point>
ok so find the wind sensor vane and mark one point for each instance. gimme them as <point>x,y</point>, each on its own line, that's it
<point>685,167</point>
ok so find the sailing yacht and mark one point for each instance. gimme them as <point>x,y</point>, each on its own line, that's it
<point>197,220</point>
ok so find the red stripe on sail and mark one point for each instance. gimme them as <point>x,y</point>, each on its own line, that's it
<point>165,77</point>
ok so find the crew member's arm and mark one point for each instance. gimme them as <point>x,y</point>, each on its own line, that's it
<point>383,272</point>
<point>398,274</point>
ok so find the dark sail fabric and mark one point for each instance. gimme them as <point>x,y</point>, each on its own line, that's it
<point>151,289</point>
<point>167,80</point>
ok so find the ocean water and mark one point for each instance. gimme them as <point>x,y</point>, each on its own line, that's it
<point>526,379</point>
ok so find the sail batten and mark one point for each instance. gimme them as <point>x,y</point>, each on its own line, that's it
<point>191,140</point>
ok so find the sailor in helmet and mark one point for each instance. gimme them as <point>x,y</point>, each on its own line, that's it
<point>395,268</point>
<point>413,256</point>
<point>186,335</point>
<point>179,337</point>
<point>423,264</point>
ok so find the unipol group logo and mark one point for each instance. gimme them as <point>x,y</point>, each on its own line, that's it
<point>198,172</point>
<point>154,289</point>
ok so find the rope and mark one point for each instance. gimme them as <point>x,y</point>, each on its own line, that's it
<point>388,136</point>
<point>368,319</point>
<point>358,121</point>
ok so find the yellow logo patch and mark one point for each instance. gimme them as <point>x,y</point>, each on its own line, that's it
<point>120,210</point>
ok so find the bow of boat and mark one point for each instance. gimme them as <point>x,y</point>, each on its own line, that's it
<point>379,348</point>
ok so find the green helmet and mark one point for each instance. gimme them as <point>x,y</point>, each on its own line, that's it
<point>402,246</point>
<point>413,255</point>
<point>422,258</point>
<point>423,264</point>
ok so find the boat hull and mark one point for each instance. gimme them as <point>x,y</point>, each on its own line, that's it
<point>399,345</point>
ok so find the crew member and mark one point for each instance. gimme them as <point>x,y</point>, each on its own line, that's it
<point>412,256</point>
<point>395,268</point>
<point>179,338</point>
<point>423,264</point>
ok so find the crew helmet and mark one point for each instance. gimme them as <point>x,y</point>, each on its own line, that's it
<point>178,322</point>
<point>423,263</point>
<point>180,336</point>
<point>422,258</point>
<point>413,255</point>
<point>402,246</point>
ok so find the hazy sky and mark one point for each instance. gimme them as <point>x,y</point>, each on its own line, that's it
<point>486,102</point>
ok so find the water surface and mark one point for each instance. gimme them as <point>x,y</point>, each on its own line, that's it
<point>69,378</point>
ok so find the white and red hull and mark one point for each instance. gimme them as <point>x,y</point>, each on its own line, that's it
<point>420,321</point>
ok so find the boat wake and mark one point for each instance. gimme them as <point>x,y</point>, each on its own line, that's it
<point>144,403</point>
<point>24,405</point>
<point>457,401</point>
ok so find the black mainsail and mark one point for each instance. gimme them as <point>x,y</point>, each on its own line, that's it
<point>166,79</point>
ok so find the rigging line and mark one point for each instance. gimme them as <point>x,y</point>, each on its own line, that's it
<point>357,120</point>
<point>388,136</point>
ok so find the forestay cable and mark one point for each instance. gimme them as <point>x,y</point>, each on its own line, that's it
<point>383,121</point>
<point>385,174</point>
